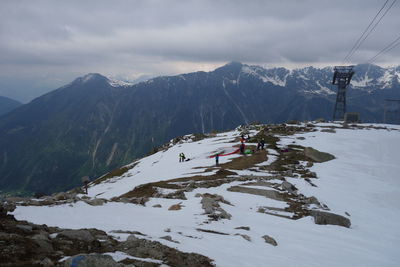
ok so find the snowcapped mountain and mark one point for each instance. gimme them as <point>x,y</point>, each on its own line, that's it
<point>95,124</point>
<point>320,194</point>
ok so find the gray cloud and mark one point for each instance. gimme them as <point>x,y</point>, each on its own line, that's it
<point>60,39</point>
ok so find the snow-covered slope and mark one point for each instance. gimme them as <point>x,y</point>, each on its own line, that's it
<point>361,184</point>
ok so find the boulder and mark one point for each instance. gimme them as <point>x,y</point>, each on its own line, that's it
<point>83,235</point>
<point>289,187</point>
<point>96,201</point>
<point>322,217</point>
<point>90,260</point>
<point>270,240</point>
<point>316,155</point>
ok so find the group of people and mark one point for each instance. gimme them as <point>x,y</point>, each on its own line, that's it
<point>260,146</point>
<point>182,157</point>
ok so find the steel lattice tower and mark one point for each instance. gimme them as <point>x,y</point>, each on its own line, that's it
<point>341,78</point>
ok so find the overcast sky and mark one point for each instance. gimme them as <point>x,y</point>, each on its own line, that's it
<point>45,44</point>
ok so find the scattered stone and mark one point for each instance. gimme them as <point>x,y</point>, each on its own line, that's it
<point>328,130</point>
<point>157,206</point>
<point>198,195</point>
<point>322,217</point>
<point>309,164</point>
<point>169,238</point>
<point>96,201</point>
<point>311,200</point>
<point>317,155</point>
<point>270,240</point>
<point>246,237</point>
<point>347,214</point>
<point>176,207</point>
<point>301,138</point>
<point>243,228</point>
<point>139,200</point>
<point>289,187</point>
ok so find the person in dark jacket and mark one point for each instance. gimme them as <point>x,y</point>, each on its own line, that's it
<point>216,159</point>
<point>242,146</point>
<point>262,143</point>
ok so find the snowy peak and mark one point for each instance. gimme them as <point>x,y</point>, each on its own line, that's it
<point>276,76</point>
<point>91,78</point>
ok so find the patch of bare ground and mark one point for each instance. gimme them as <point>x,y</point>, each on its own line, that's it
<point>186,183</point>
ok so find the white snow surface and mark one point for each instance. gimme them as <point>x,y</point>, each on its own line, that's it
<point>363,181</point>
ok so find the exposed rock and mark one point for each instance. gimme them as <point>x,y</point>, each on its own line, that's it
<point>151,249</point>
<point>157,206</point>
<point>316,155</point>
<point>260,192</point>
<point>328,130</point>
<point>25,228</point>
<point>96,201</point>
<point>311,200</point>
<point>5,207</point>
<point>83,235</point>
<point>169,238</point>
<point>309,164</point>
<point>210,204</point>
<point>289,187</point>
<point>246,237</point>
<point>243,228</point>
<point>322,217</point>
<point>60,196</point>
<point>46,262</point>
<point>312,175</point>
<point>91,260</point>
<point>175,207</point>
<point>270,240</point>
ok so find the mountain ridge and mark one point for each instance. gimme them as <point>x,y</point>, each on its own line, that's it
<point>91,126</point>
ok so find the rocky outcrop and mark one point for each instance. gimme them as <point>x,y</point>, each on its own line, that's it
<point>322,217</point>
<point>26,244</point>
<point>316,155</point>
<point>210,204</point>
<point>143,248</point>
<point>5,207</point>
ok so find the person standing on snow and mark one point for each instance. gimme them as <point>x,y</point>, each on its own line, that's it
<point>216,159</point>
<point>181,157</point>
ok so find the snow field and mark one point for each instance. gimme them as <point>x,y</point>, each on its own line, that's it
<point>363,181</point>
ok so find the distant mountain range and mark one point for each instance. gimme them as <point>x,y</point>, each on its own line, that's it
<point>7,104</point>
<point>94,125</point>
